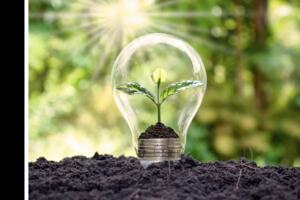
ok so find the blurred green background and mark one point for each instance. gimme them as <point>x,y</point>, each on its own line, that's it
<point>250,49</point>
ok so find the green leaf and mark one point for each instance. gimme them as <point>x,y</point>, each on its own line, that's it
<point>132,88</point>
<point>159,75</point>
<point>179,86</point>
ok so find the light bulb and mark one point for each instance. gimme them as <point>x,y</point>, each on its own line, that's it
<point>158,78</point>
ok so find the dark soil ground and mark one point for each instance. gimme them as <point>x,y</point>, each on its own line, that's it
<point>106,177</point>
<point>159,130</point>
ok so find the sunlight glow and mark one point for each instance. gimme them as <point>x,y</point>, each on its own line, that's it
<point>112,24</point>
<point>124,16</point>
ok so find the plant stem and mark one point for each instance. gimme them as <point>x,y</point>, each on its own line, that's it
<point>158,112</point>
<point>158,102</point>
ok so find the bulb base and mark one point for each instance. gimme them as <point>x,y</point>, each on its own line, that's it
<point>159,149</point>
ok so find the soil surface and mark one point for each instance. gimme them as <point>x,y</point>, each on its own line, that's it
<point>159,130</point>
<point>107,177</point>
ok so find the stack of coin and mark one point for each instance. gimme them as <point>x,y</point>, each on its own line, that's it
<point>159,149</point>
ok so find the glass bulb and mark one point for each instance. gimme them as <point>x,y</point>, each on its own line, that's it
<point>154,60</point>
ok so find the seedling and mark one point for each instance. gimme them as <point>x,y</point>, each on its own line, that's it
<point>158,77</point>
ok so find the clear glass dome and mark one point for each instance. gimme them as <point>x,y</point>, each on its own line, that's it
<point>137,61</point>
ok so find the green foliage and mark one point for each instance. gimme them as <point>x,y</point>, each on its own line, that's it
<point>179,86</point>
<point>132,88</point>
<point>158,76</point>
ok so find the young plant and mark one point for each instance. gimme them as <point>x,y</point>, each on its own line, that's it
<point>158,77</point>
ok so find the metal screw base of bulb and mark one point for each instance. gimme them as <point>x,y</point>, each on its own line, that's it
<point>159,149</point>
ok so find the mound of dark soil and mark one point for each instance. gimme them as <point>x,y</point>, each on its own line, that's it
<point>159,130</point>
<point>106,177</point>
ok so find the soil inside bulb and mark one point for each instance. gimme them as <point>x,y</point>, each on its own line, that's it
<point>159,130</point>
